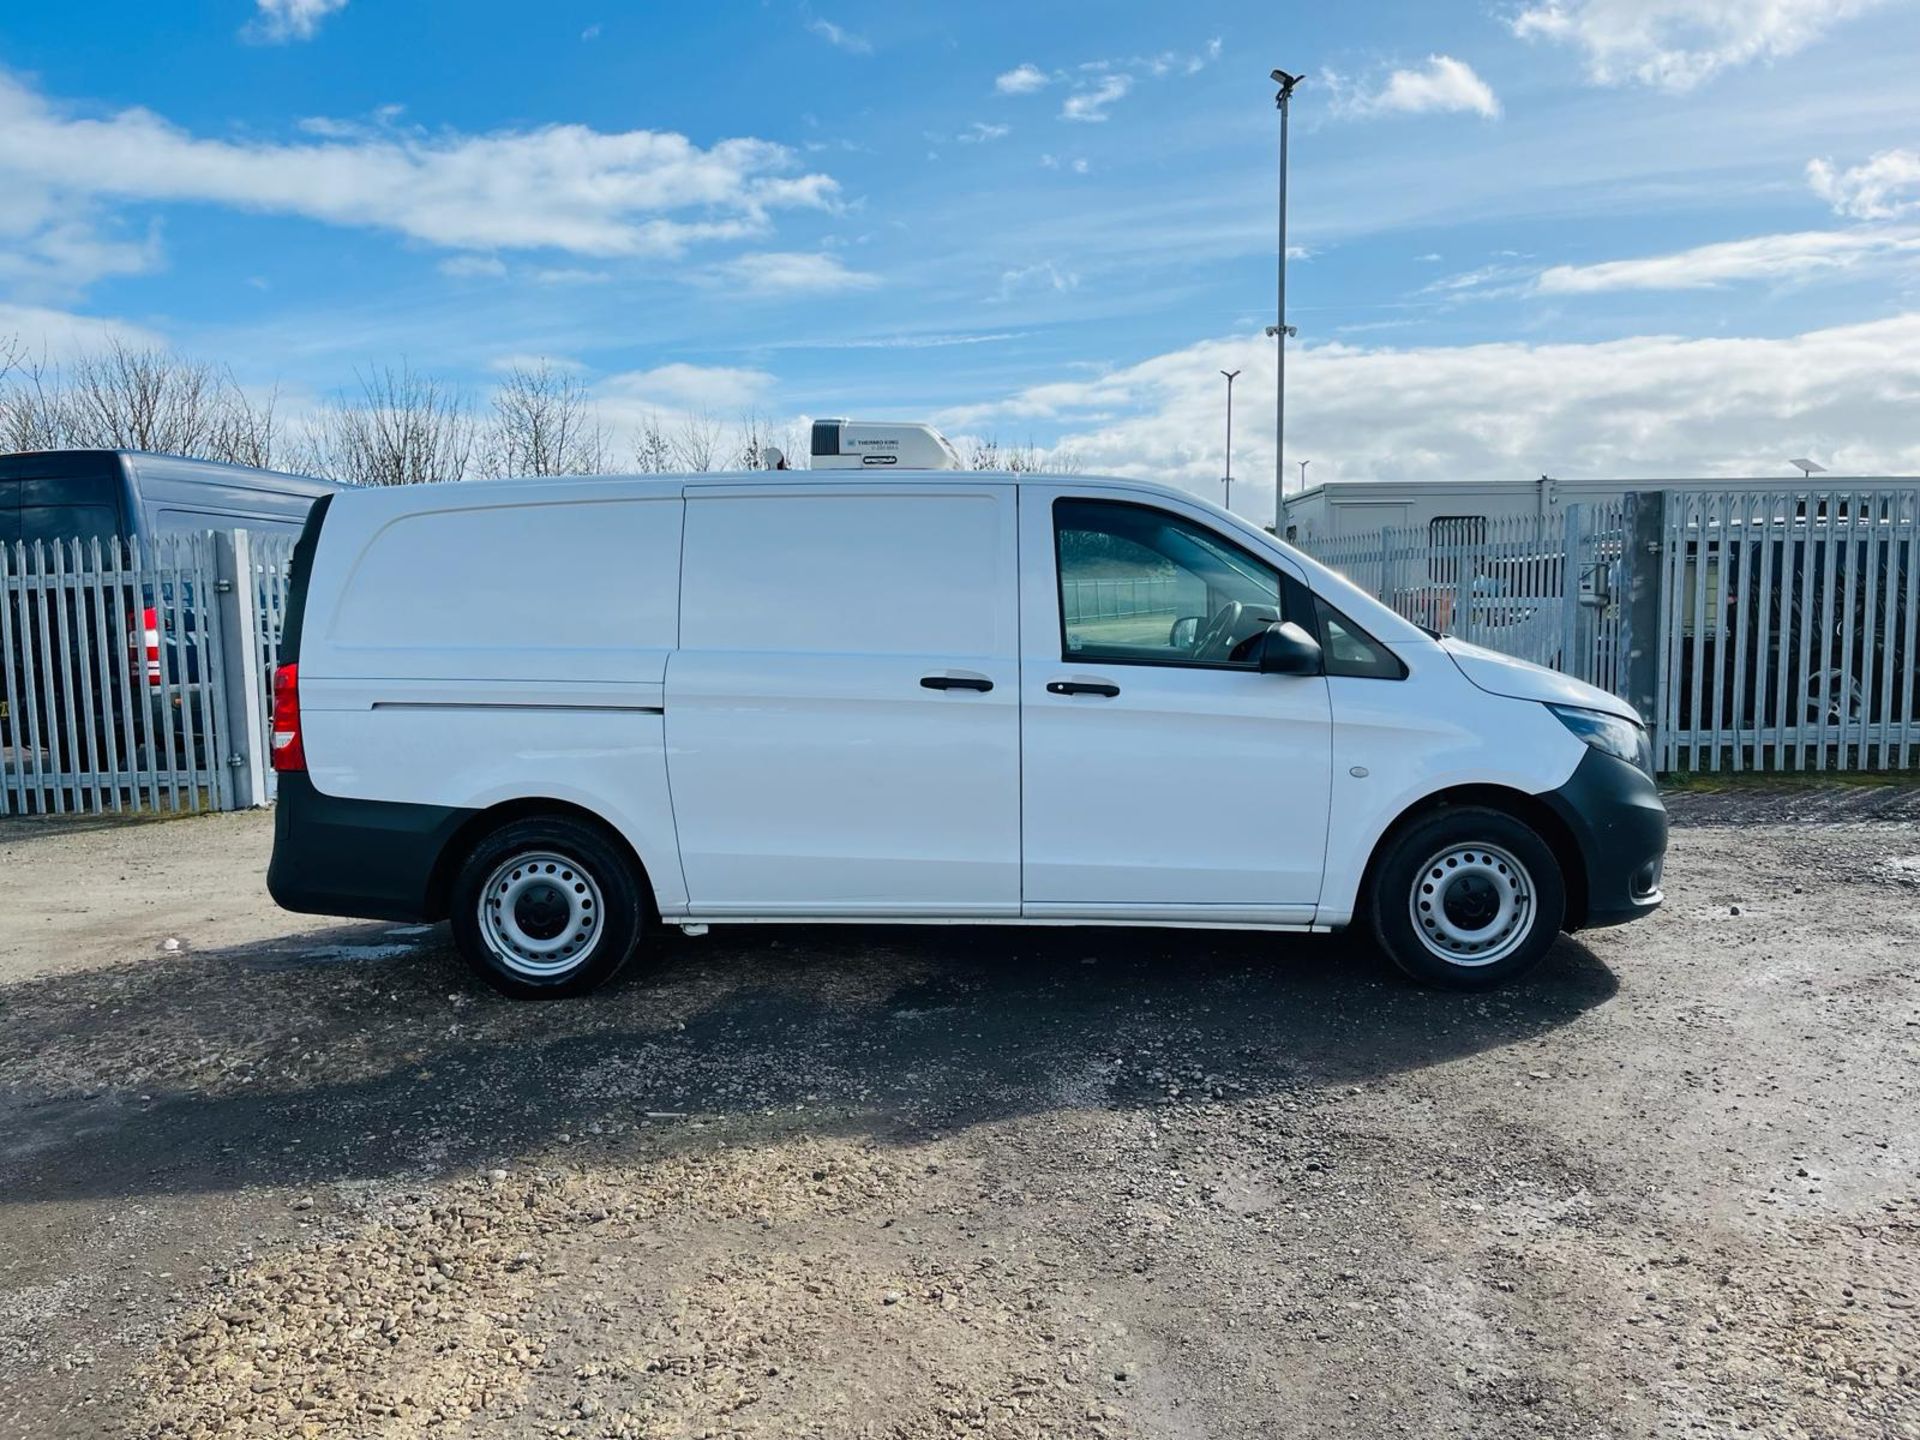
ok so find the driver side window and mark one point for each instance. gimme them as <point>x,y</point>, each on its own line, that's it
<point>1143,586</point>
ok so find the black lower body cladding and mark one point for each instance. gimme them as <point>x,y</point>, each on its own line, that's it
<point>374,859</point>
<point>1615,815</point>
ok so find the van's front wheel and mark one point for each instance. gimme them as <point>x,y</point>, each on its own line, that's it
<point>546,907</point>
<point>1467,898</point>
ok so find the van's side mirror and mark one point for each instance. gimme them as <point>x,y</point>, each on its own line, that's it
<point>1182,634</point>
<point>1286,649</point>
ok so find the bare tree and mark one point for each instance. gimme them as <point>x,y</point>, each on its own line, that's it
<point>247,432</point>
<point>796,445</point>
<point>752,442</point>
<point>696,443</point>
<point>32,413</point>
<point>1027,459</point>
<point>127,398</point>
<point>403,428</point>
<point>984,455</point>
<point>544,423</point>
<point>652,451</point>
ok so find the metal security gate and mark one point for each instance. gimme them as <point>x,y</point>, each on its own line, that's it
<point>1788,639</point>
<point>1543,588</point>
<point>137,672</point>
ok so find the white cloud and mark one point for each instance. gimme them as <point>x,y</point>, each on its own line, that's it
<point>278,21</point>
<point>981,133</point>
<point>1091,104</point>
<point>840,38</point>
<point>57,334</point>
<point>1650,405</point>
<point>566,187</point>
<point>790,273</point>
<point>1677,44</point>
<point>592,32</point>
<point>1764,257</point>
<point>503,364</point>
<point>1484,282</point>
<point>685,387</point>
<point>1443,85</point>
<point>474,267</point>
<point>1022,80</point>
<point>1095,85</point>
<point>1044,276</point>
<point>569,275</point>
<point>1883,187</point>
<point>50,252</point>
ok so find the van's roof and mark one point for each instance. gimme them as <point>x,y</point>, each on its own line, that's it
<point>565,489</point>
<point>572,489</point>
<point>57,464</point>
<point>519,487</point>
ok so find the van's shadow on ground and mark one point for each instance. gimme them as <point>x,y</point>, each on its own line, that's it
<point>367,1064</point>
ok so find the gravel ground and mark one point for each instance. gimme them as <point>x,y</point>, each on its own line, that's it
<point>268,1176</point>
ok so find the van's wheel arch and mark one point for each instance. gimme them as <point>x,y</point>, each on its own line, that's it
<point>546,904</point>
<point>1466,894</point>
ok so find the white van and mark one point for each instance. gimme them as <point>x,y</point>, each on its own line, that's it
<point>561,713</point>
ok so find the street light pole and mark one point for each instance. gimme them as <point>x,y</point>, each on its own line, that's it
<point>1282,330</point>
<point>1230,374</point>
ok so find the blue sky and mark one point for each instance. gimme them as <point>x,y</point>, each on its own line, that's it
<point>1577,236</point>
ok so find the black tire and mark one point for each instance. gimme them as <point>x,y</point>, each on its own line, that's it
<point>567,908</point>
<point>1487,890</point>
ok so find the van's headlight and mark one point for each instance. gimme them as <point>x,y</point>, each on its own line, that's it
<point>1622,739</point>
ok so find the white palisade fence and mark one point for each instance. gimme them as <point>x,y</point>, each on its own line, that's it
<point>1544,588</point>
<point>135,672</point>
<point>1789,631</point>
<point>1778,631</point>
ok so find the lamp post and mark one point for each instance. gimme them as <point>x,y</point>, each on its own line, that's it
<point>1282,330</point>
<point>1230,374</point>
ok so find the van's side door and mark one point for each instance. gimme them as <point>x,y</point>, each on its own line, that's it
<point>1164,776</point>
<point>843,712</point>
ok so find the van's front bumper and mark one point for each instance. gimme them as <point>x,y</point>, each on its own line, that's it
<point>1617,820</point>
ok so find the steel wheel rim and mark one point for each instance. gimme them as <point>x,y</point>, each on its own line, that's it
<point>1472,905</point>
<point>541,914</point>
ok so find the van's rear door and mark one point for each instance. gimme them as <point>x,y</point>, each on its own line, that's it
<point>843,712</point>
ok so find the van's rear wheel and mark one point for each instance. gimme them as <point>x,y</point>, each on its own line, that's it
<point>546,907</point>
<point>1467,897</point>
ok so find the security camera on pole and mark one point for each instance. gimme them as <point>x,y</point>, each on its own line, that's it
<point>1281,331</point>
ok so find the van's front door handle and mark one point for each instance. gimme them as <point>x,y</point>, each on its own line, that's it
<point>1082,687</point>
<point>956,682</point>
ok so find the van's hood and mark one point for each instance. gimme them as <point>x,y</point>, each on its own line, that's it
<point>1499,674</point>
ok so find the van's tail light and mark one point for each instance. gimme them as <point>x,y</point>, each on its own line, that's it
<point>146,656</point>
<point>289,751</point>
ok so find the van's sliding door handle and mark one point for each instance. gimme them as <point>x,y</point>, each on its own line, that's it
<point>956,682</point>
<point>1082,687</point>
